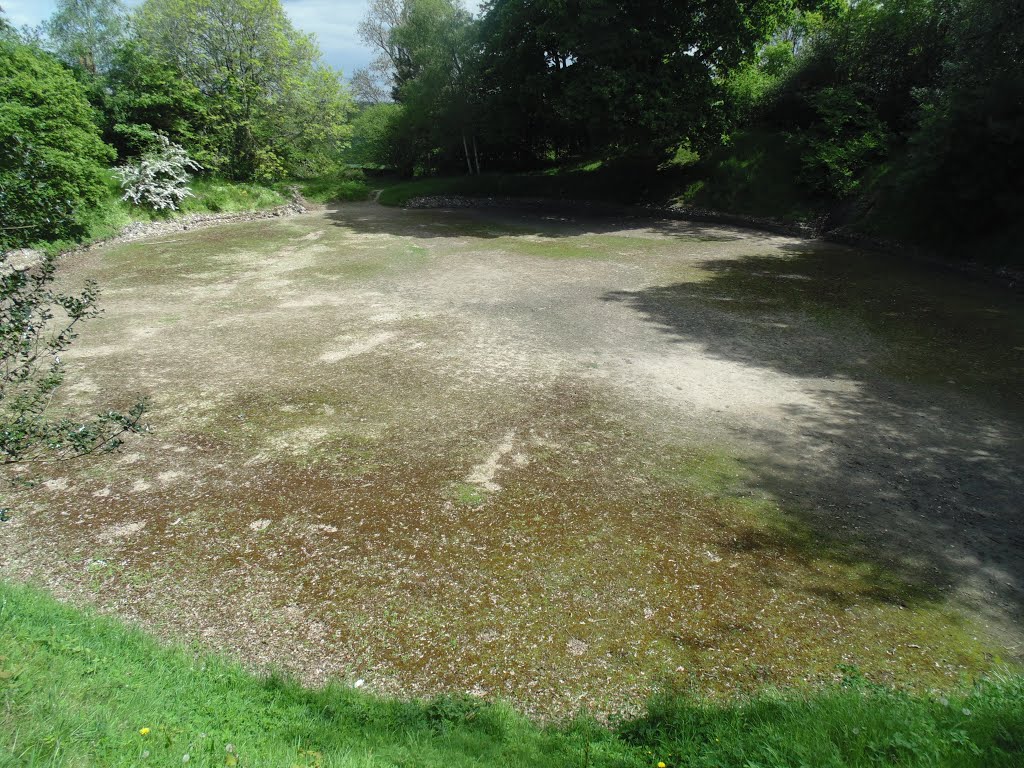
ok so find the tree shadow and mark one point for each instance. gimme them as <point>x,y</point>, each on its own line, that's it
<point>909,449</point>
<point>546,219</point>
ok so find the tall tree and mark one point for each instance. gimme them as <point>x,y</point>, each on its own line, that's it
<point>51,156</point>
<point>428,53</point>
<point>392,64</point>
<point>270,94</point>
<point>638,76</point>
<point>85,33</point>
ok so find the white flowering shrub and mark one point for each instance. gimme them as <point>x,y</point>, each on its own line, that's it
<point>160,180</point>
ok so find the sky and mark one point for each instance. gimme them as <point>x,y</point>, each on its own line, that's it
<point>333,22</point>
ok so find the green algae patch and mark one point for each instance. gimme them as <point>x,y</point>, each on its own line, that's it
<point>467,494</point>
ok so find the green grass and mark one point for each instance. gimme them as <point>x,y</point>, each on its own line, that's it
<point>76,689</point>
<point>209,196</point>
<point>330,189</point>
<point>219,196</point>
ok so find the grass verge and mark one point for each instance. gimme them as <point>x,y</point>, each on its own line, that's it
<point>208,196</point>
<point>78,689</point>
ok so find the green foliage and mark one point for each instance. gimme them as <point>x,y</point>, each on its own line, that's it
<point>635,77</point>
<point>845,138</point>
<point>959,180</point>
<point>51,157</point>
<point>754,174</point>
<point>7,32</point>
<point>37,324</point>
<point>850,96</point>
<point>272,107</point>
<point>79,689</point>
<point>435,42</point>
<point>84,33</point>
<point>376,143</point>
<point>145,95</point>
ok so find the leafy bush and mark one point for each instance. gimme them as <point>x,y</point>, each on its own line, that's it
<point>220,196</point>
<point>36,325</point>
<point>846,138</point>
<point>160,180</point>
<point>52,160</point>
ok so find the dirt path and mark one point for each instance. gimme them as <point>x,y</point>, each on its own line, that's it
<point>551,458</point>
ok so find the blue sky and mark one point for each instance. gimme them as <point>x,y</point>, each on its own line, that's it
<point>332,21</point>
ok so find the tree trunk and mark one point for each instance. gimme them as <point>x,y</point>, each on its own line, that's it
<point>476,156</point>
<point>465,149</point>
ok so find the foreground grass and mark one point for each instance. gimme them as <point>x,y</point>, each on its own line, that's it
<point>78,689</point>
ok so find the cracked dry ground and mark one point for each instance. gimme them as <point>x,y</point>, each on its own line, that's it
<point>549,458</point>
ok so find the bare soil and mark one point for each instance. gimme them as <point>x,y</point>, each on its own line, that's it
<point>553,458</point>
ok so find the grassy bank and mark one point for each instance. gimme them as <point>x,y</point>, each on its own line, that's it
<point>331,189</point>
<point>77,689</point>
<point>620,183</point>
<point>209,195</point>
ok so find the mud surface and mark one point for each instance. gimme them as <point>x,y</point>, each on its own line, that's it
<point>557,459</point>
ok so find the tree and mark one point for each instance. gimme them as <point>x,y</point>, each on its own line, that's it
<point>638,78</point>
<point>427,52</point>
<point>52,161</point>
<point>269,96</point>
<point>85,33</point>
<point>438,91</point>
<point>393,64</point>
<point>368,87</point>
<point>7,32</point>
<point>960,181</point>
<point>144,96</point>
<point>377,139</point>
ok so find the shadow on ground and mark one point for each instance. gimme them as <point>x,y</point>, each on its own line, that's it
<point>912,449</point>
<point>557,220</point>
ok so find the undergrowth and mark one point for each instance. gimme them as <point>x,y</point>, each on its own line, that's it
<point>332,189</point>
<point>209,195</point>
<point>78,689</point>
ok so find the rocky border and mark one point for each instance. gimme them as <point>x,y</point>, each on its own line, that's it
<point>139,230</point>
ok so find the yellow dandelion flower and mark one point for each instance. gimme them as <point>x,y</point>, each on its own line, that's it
<point>661,765</point>
<point>144,731</point>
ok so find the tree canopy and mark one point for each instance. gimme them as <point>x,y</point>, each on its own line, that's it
<point>271,101</point>
<point>51,156</point>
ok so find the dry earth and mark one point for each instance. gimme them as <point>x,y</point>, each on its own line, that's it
<point>556,459</point>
